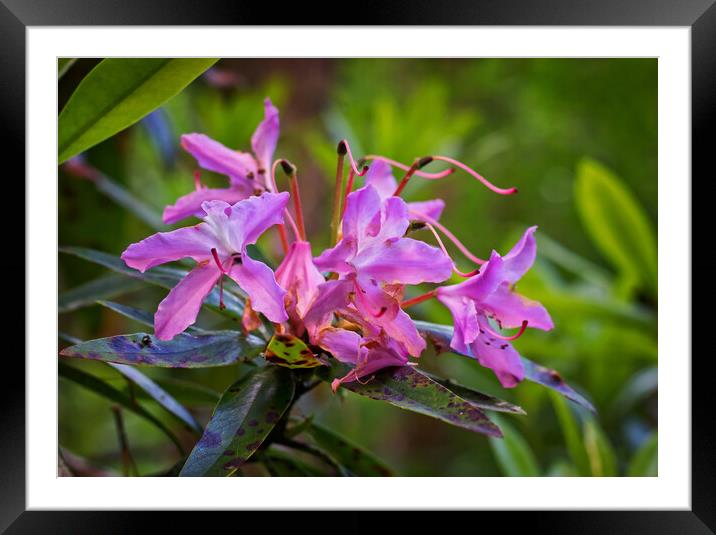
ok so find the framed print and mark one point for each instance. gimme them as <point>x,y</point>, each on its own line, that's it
<point>442,247</point>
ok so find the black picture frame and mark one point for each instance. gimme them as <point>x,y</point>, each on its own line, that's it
<point>17,15</point>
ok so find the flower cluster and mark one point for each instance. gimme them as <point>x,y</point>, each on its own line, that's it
<point>349,300</point>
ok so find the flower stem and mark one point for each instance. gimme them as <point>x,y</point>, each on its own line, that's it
<point>419,163</point>
<point>349,188</point>
<point>337,195</point>
<point>418,299</point>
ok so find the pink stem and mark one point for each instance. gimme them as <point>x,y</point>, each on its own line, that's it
<point>513,337</point>
<point>454,265</point>
<point>464,250</point>
<point>352,161</point>
<point>418,299</point>
<point>423,174</point>
<point>197,180</point>
<point>470,171</point>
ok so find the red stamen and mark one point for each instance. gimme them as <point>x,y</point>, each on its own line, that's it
<point>215,254</point>
<point>423,174</point>
<point>418,299</point>
<point>281,227</point>
<point>513,337</point>
<point>472,172</point>
<point>404,182</point>
<point>290,170</point>
<point>197,180</point>
<point>444,250</point>
<point>349,188</point>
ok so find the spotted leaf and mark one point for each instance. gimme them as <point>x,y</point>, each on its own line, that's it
<point>290,352</point>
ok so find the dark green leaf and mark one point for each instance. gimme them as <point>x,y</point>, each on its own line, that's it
<point>440,336</point>
<point>158,394</point>
<point>407,388</point>
<point>354,458</point>
<point>513,453</point>
<point>478,399</point>
<point>110,285</point>
<point>140,316</point>
<point>616,223</point>
<point>645,462</point>
<point>163,276</point>
<point>187,392</point>
<point>98,386</point>
<point>117,93</point>
<point>63,65</point>
<point>183,351</point>
<point>247,412</point>
<point>129,202</point>
<point>280,464</point>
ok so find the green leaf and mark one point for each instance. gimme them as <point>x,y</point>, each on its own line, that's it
<point>129,202</point>
<point>478,399</point>
<point>246,414</point>
<point>63,65</point>
<point>355,459</point>
<point>602,459</point>
<point>616,223</point>
<point>163,276</point>
<point>407,388</point>
<point>158,394</point>
<point>290,352</point>
<point>188,392</point>
<point>572,435</point>
<point>280,464</point>
<point>185,350</point>
<point>645,462</point>
<point>98,386</point>
<point>440,336</point>
<point>513,453</point>
<point>117,93</point>
<point>106,286</point>
<point>141,316</point>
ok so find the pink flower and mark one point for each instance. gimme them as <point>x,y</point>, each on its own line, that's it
<point>491,295</point>
<point>300,278</point>
<point>373,257</point>
<point>247,173</point>
<point>218,245</point>
<point>380,176</point>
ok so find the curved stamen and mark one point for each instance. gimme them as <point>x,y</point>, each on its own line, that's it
<point>215,254</point>
<point>419,299</point>
<point>197,180</point>
<point>444,250</point>
<point>354,166</point>
<point>290,170</point>
<point>450,236</point>
<point>502,337</point>
<point>472,172</point>
<point>423,174</point>
<point>281,228</point>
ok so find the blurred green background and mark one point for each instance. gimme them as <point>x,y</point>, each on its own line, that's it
<point>578,137</point>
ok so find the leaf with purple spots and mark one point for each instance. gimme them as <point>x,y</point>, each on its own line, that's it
<point>407,388</point>
<point>185,350</point>
<point>290,352</point>
<point>440,336</point>
<point>476,398</point>
<point>355,459</point>
<point>247,412</point>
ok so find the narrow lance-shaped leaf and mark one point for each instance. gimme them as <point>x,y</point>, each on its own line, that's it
<point>354,458</point>
<point>478,399</point>
<point>117,93</point>
<point>185,350</point>
<point>129,202</point>
<point>151,389</point>
<point>513,453</point>
<point>163,276</point>
<point>98,386</point>
<point>407,388</point>
<point>246,414</point>
<point>645,462</point>
<point>106,286</point>
<point>140,316</point>
<point>572,435</point>
<point>440,336</point>
<point>602,459</point>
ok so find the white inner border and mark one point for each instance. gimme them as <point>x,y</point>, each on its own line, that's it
<point>671,490</point>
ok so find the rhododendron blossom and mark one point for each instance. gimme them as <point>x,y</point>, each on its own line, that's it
<point>347,301</point>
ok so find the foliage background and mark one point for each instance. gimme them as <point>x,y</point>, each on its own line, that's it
<point>577,136</point>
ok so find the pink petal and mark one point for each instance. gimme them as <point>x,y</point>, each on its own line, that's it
<point>520,259</point>
<point>257,280</point>
<point>433,209</point>
<point>265,137</point>
<point>180,307</point>
<point>500,357</point>
<point>332,296</point>
<point>380,176</point>
<point>344,345</point>
<point>511,309</point>
<point>190,204</point>
<point>189,242</point>
<point>363,207</point>
<point>403,261</point>
<point>480,286</point>
<point>335,259</point>
<point>299,276</point>
<point>464,316</point>
<point>394,220</point>
<point>213,156</point>
<point>375,360</point>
